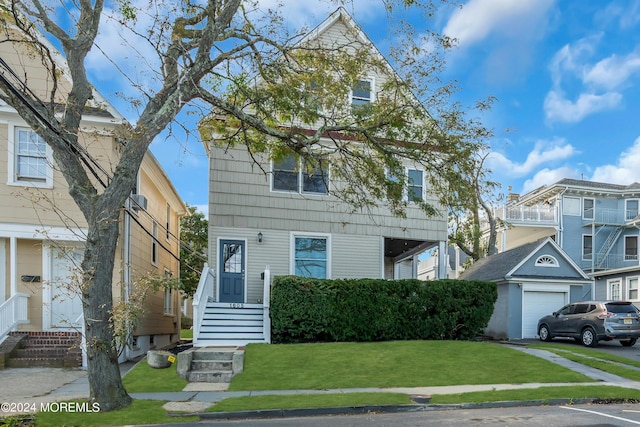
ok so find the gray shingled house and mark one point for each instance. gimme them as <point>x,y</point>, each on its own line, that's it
<point>533,280</point>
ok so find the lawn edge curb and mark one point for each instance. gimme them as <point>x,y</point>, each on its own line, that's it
<point>357,410</point>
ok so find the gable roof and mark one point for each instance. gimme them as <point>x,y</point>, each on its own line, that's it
<point>504,266</point>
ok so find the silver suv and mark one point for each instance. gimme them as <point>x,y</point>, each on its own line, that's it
<point>593,321</point>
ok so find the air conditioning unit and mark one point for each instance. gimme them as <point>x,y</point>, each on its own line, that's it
<point>138,202</point>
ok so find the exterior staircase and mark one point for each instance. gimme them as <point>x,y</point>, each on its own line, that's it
<point>45,349</point>
<point>226,324</point>
<point>211,365</point>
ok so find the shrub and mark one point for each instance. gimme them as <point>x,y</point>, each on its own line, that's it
<point>310,310</point>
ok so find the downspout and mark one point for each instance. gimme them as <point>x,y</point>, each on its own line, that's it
<point>560,214</point>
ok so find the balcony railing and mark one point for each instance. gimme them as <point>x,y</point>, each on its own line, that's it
<point>527,214</point>
<point>606,262</point>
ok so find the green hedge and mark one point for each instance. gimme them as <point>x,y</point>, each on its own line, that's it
<point>312,310</point>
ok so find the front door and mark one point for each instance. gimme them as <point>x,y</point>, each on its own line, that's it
<point>232,266</point>
<point>66,305</point>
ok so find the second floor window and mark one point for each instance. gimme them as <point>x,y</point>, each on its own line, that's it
<point>587,208</point>
<point>415,185</point>
<point>154,243</point>
<point>30,160</point>
<point>298,176</point>
<point>361,93</point>
<point>631,248</point>
<point>631,209</point>
<point>587,247</point>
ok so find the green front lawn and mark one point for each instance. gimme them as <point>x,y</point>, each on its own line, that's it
<point>139,412</point>
<point>142,378</point>
<point>391,364</point>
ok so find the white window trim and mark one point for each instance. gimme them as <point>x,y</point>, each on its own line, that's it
<point>372,98</point>
<point>611,282</point>
<point>405,192</point>
<point>547,261</point>
<point>626,210</point>
<point>582,247</point>
<point>154,243</point>
<point>300,189</point>
<point>292,249</point>
<point>593,210</point>
<point>12,158</point>
<point>625,248</point>
<point>628,288</point>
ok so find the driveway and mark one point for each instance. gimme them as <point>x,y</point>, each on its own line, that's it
<point>611,347</point>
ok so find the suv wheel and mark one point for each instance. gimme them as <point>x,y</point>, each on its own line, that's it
<point>588,337</point>
<point>544,333</point>
<point>629,343</point>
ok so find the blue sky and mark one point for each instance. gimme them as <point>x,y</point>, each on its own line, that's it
<point>566,75</point>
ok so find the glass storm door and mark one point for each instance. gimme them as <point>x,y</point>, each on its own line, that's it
<point>232,265</point>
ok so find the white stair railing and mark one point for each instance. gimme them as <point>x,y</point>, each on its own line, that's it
<point>83,344</point>
<point>201,297</point>
<point>266,298</point>
<point>13,312</point>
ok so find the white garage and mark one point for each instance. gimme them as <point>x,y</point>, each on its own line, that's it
<point>538,302</point>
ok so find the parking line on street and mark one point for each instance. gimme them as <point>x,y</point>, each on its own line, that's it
<point>602,414</point>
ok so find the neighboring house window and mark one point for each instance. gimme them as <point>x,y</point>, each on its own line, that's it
<point>311,256</point>
<point>30,161</point>
<point>630,248</point>
<point>168,223</point>
<point>614,290</point>
<point>632,289</point>
<point>361,93</point>
<point>587,246</point>
<point>547,261</point>
<point>415,185</point>
<point>571,206</point>
<point>587,208</point>
<point>168,294</point>
<point>293,175</point>
<point>631,209</point>
<point>154,244</point>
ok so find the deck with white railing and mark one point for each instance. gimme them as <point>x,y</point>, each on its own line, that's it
<point>520,214</point>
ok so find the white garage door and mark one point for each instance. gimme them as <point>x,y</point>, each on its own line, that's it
<point>536,304</point>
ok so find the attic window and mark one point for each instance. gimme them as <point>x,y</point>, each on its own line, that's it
<point>546,261</point>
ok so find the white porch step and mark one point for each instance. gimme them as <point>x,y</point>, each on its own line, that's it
<point>226,324</point>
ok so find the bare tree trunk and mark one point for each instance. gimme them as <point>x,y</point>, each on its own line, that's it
<point>105,383</point>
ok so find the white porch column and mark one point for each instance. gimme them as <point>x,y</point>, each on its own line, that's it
<point>442,260</point>
<point>13,265</point>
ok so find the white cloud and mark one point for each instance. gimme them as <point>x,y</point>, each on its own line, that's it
<point>613,71</point>
<point>548,176</point>
<point>544,152</point>
<point>625,171</point>
<point>571,58</point>
<point>597,81</point>
<point>558,108</point>
<point>477,19</point>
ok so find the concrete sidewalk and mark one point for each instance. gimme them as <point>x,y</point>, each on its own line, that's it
<point>42,385</point>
